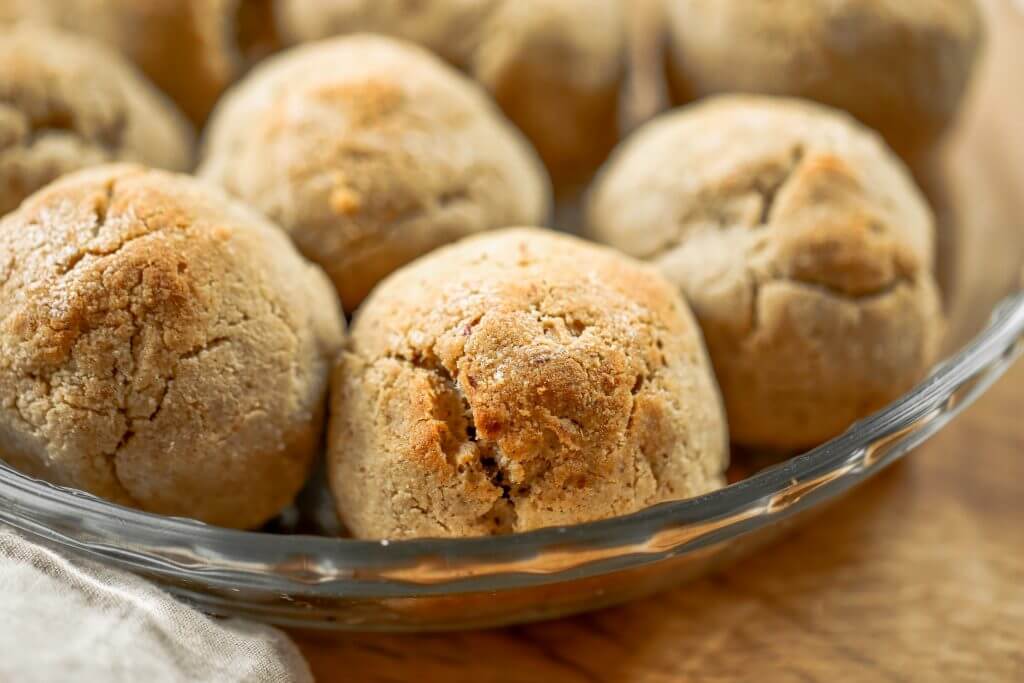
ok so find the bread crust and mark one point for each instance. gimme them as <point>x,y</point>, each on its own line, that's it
<point>517,380</point>
<point>370,152</point>
<point>555,67</point>
<point>161,346</point>
<point>803,246</point>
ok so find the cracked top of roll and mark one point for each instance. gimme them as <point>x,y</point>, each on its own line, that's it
<point>516,380</point>
<point>803,246</point>
<point>161,346</point>
<point>68,102</point>
<point>741,189</point>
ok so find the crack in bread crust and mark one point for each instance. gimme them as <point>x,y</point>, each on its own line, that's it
<point>802,244</point>
<point>145,317</point>
<point>512,387</point>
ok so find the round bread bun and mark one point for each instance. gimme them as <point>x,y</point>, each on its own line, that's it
<point>191,49</point>
<point>899,66</point>
<point>803,247</point>
<point>556,67</point>
<point>67,103</point>
<point>370,152</point>
<point>161,346</point>
<point>517,380</point>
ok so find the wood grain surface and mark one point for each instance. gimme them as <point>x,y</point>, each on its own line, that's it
<point>918,576</point>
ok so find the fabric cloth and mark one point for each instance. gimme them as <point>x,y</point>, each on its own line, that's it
<point>72,620</point>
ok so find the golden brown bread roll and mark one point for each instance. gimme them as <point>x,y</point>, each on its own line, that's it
<point>161,346</point>
<point>370,152</point>
<point>803,246</point>
<point>516,380</point>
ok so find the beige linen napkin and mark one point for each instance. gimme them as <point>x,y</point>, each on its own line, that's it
<point>73,620</point>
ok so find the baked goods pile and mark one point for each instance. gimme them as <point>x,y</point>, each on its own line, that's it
<point>177,343</point>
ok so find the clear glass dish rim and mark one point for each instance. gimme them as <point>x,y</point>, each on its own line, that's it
<point>182,549</point>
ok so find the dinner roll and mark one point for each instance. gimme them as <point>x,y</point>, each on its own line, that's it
<point>370,152</point>
<point>161,346</point>
<point>803,246</point>
<point>516,380</point>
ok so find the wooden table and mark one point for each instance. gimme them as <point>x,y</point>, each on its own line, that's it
<point>918,576</point>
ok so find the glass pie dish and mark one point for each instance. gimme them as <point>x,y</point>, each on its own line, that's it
<point>335,583</point>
